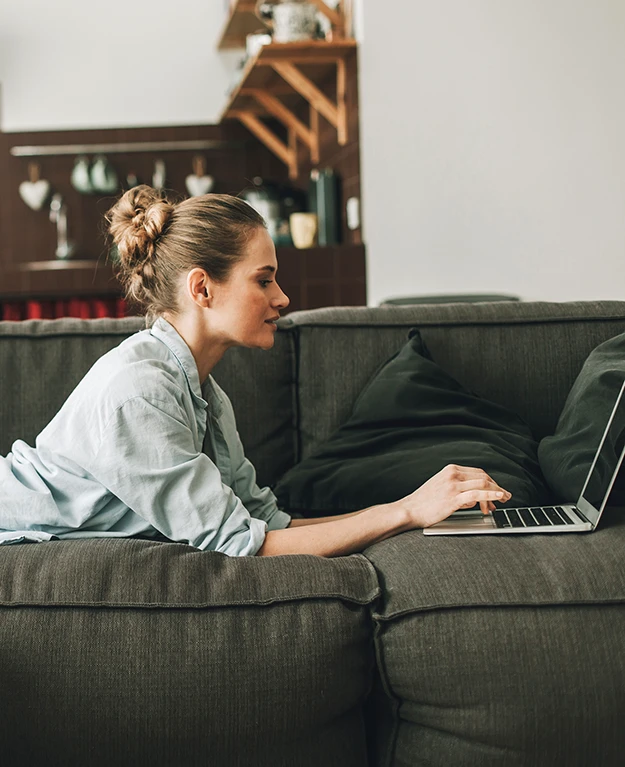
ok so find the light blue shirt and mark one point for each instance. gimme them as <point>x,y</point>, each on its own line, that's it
<point>128,454</point>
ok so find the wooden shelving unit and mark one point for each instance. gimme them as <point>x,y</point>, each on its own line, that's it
<point>275,81</point>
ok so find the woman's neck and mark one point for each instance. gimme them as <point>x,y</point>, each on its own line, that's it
<point>206,351</point>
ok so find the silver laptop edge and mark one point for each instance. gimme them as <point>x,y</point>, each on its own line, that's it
<point>583,514</point>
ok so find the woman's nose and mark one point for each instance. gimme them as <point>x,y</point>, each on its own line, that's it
<point>282,300</point>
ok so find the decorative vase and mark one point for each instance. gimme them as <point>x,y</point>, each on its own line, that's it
<point>303,229</point>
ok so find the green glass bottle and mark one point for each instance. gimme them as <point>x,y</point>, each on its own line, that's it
<point>323,199</point>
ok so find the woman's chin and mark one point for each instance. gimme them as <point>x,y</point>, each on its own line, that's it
<point>265,342</point>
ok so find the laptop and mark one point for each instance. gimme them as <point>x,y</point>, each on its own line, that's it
<point>564,518</point>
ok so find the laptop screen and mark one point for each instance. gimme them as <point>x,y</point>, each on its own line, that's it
<point>606,463</point>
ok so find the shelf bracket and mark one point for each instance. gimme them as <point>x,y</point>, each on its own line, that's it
<point>310,136</point>
<point>335,17</point>
<point>288,154</point>
<point>335,114</point>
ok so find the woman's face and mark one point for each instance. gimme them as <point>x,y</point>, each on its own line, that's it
<point>245,308</point>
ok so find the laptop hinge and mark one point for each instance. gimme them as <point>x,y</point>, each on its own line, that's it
<point>581,514</point>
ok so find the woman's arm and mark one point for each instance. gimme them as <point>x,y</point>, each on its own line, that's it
<point>295,522</point>
<point>455,487</point>
<point>336,536</point>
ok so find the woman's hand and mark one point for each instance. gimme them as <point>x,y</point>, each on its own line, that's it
<point>453,488</point>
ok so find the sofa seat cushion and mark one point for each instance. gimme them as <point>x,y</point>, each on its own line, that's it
<point>501,649</point>
<point>408,423</point>
<point>136,652</point>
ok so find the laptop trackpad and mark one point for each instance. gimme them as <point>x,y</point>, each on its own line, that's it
<point>467,522</point>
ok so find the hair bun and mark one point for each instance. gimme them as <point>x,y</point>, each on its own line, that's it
<point>137,220</point>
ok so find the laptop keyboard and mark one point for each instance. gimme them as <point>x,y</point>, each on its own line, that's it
<point>543,516</point>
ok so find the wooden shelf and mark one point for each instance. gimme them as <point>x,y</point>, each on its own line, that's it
<point>319,276</point>
<point>275,81</point>
<point>56,279</point>
<point>46,266</point>
<point>241,22</point>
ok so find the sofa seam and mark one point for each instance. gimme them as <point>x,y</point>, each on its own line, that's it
<point>297,404</point>
<point>484,605</point>
<point>192,605</point>
<point>448,322</point>
<point>394,701</point>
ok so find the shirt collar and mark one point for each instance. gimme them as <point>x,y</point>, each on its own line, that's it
<point>167,333</point>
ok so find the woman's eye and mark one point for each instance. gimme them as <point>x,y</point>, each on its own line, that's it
<point>264,283</point>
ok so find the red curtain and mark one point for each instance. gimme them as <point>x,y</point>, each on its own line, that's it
<point>83,308</point>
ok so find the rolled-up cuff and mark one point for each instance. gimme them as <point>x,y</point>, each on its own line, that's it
<point>279,521</point>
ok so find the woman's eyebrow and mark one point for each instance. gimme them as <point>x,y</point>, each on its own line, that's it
<point>270,269</point>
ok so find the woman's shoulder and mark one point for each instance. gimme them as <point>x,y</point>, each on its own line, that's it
<point>140,367</point>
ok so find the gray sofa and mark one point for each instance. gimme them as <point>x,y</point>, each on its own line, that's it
<point>506,650</point>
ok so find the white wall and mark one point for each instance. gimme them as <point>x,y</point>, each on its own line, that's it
<point>111,63</point>
<point>493,147</point>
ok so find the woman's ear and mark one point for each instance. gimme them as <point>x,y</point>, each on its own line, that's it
<point>199,287</point>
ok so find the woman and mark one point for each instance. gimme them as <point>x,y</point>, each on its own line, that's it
<point>146,445</point>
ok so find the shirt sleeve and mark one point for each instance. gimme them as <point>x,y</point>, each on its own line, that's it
<point>149,460</point>
<point>260,502</point>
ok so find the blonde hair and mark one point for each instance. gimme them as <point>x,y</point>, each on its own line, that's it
<point>158,240</point>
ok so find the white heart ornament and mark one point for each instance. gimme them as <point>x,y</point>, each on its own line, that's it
<point>199,185</point>
<point>34,193</point>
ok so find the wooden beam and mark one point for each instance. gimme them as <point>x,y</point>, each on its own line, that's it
<point>288,154</point>
<point>262,132</point>
<point>308,90</point>
<point>341,91</point>
<point>276,108</point>
<point>293,170</point>
<point>314,129</point>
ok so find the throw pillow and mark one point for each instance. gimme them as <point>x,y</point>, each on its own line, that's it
<point>566,456</point>
<point>410,421</point>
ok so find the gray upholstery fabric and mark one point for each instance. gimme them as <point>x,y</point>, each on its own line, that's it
<point>109,572</point>
<point>260,386</point>
<point>493,650</point>
<point>41,361</point>
<point>495,687</point>
<point>524,356</point>
<point>141,653</point>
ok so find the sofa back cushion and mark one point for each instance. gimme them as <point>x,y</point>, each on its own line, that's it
<point>524,356</point>
<point>41,361</point>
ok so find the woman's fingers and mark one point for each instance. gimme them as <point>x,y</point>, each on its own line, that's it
<point>483,483</point>
<point>469,498</point>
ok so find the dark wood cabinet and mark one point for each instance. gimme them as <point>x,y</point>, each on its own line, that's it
<point>312,278</point>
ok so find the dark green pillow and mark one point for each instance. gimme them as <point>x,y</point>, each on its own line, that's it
<point>566,456</point>
<point>410,421</point>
